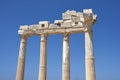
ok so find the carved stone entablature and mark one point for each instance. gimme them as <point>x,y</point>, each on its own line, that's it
<point>70,19</point>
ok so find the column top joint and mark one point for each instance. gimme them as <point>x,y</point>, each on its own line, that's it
<point>43,37</point>
<point>24,36</point>
<point>66,36</point>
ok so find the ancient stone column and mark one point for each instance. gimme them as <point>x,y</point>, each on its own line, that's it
<point>21,59</point>
<point>66,58</point>
<point>43,58</point>
<point>89,56</point>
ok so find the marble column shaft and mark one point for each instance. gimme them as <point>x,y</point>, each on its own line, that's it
<point>89,56</point>
<point>66,58</point>
<point>43,58</point>
<point>21,59</point>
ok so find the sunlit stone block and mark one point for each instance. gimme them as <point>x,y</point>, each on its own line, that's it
<point>94,17</point>
<point>24,27</point>
<point>44,24</point>
<point>87,11</point>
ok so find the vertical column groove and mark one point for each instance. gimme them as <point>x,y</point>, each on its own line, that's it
<point>66,58</point>
<point>21,59</point>
<point>89,57</point>
<point>43,58</point>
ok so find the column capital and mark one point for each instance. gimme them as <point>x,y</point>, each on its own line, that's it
<point>23,36</point>
<point>66,36</point>
<point>88,28</point>
<point>43,37</point>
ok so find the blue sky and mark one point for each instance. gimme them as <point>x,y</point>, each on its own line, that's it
<point>106,38</point>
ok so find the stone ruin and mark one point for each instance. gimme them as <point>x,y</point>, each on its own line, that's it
<point>72,22</point>
<point>69,19</point>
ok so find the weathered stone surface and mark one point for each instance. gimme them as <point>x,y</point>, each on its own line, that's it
<point>87,11</point>
<point>24,27</point>
<point>72,22</point>
<point>44,24</point>
<point>21,59</point>
<point>52,30</point>
<point>70,19</point>
<point>66,58</point>
<point>89,57</point>
<point>43,58</point>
